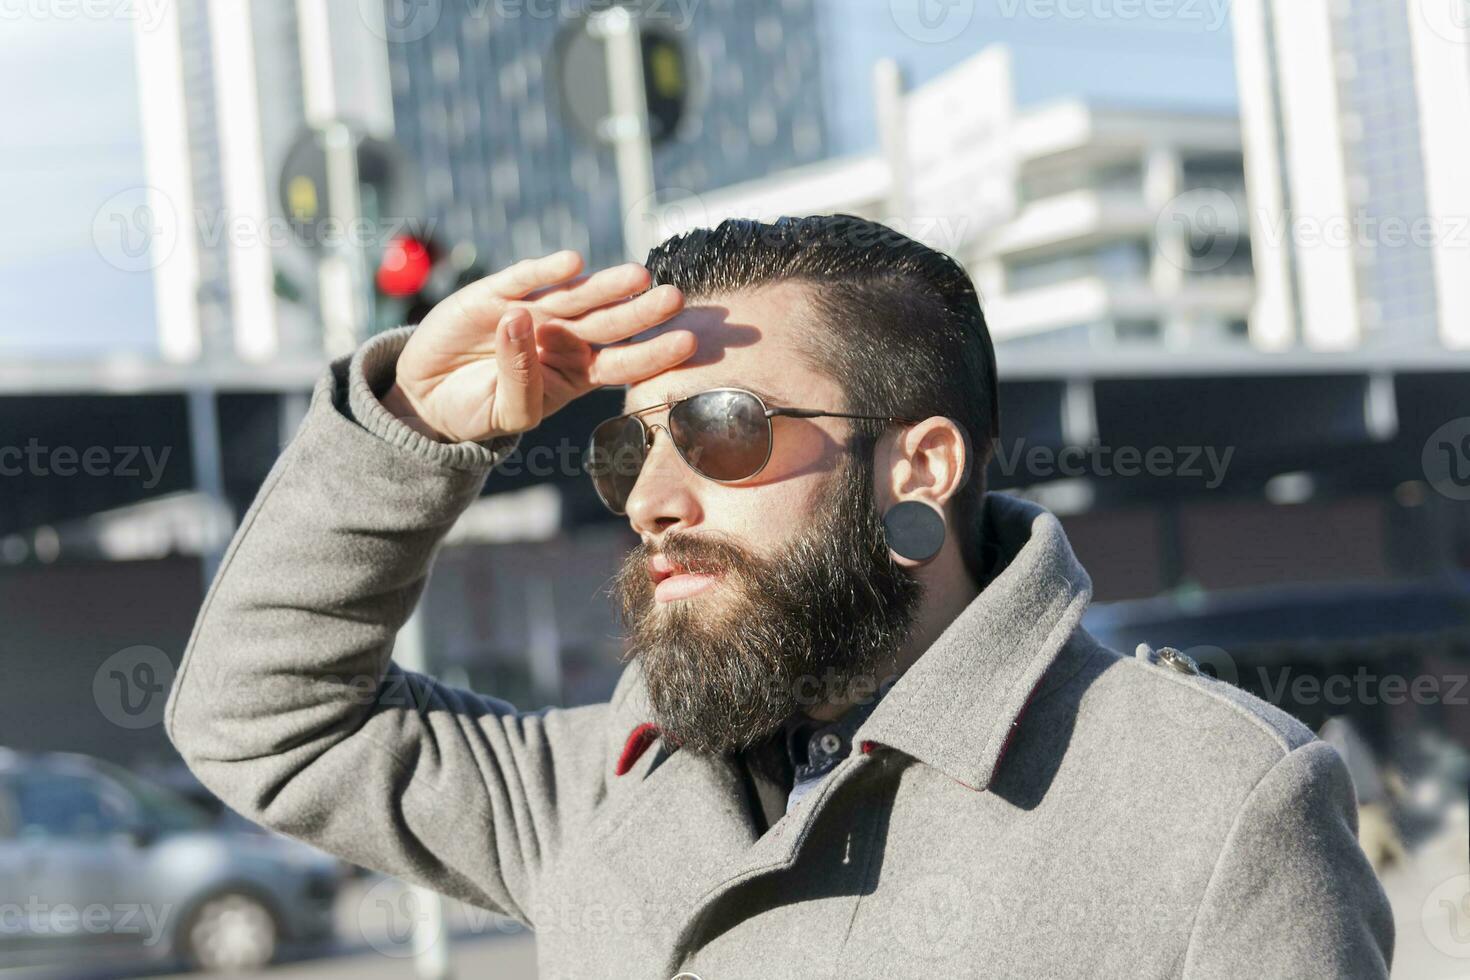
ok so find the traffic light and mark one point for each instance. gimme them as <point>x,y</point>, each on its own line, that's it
<point>579,72</point>
<point>404,268</point>
<point>416,273</point>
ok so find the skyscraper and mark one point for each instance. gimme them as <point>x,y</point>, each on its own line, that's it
<point>1356,116</point>
<point>221,96</point>
<point>478,104</point>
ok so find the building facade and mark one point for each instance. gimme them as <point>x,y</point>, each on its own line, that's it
<point>1081,224</point>
<point>474,94</point>
<point>480,104</point>
<point>1356,116</point>
<point>221,94</point>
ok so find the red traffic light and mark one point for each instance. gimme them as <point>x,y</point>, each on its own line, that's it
<point>405,267</point>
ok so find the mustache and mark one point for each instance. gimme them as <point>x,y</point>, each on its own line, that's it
<point>705,552</point>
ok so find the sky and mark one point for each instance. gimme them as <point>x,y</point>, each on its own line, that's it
<point>68,96</point>
<point>1154,53</point>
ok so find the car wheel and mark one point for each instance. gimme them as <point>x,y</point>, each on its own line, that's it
<point>230,932</point>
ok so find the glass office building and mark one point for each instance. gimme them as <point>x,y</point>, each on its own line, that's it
<point>477,103</point>
<point>1356,116</point>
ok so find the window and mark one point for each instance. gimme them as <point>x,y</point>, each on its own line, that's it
<point>1123,261</point>
<point>1137,331</point>
<point>1224,171</point>
<point>164,809</point>
<point>64,805</point>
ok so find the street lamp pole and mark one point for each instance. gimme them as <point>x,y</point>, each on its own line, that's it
<point>627,126</point>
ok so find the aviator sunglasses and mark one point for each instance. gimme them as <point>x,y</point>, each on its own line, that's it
<point>723,434</point>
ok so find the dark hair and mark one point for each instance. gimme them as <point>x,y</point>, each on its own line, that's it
<point>911,337</point>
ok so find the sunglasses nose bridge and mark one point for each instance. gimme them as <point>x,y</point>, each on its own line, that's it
<point>648,430</point>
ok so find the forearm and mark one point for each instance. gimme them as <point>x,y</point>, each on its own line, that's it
<point>325,568</point>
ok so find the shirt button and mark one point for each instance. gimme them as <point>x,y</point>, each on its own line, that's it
<point>829,744</point>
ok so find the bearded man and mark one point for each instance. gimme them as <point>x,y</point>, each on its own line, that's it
<point>861,732</point>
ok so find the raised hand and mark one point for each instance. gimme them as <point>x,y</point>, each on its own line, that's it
<point>503,353</point>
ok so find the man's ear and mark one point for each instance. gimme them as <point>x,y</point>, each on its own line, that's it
<point>928,461</point>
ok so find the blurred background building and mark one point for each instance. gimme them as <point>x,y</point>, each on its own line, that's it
<point>483,108</point>
<point>1356,115</point>
<point>1084,226</point>
<point>499,156</point>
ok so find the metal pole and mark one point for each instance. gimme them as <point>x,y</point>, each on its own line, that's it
<point>209,471</point>
<point>341,275</point>
<point>627,128</point>
<point>344,286</point>
<point>430,933</point>
<point>430,941</point>
<point>545,646</point>
<point>892,134</point>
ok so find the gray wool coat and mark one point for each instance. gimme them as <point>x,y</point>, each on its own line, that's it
<point>1027,803</point>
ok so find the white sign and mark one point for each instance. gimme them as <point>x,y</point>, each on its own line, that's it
<point>962,169</point>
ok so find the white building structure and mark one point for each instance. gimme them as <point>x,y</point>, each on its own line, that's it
<point>1081,224</point>
<point>1356,116</point>
<point>225,87</point>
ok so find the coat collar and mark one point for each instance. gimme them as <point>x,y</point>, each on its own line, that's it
<point>956,708</point>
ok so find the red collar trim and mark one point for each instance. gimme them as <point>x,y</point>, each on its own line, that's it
<point>638,742</point>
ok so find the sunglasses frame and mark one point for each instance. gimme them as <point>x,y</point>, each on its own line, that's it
<point>768,411</point>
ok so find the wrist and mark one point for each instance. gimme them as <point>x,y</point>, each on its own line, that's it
<point>398,402</point>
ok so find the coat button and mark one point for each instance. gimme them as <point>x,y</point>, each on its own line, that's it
<point>1179,661</point>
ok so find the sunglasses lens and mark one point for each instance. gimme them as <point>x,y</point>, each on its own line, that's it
<point>614,460</point>
<point>723,434</point>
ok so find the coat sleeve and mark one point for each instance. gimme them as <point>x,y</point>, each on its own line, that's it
<point>1292,894</point>
<point>286,703</point>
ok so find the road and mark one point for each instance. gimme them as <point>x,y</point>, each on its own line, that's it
<point>376,918</point>
<point>480,957</point>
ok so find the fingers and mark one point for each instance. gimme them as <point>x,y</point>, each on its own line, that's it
<point>623,320</point>
<point>530,275</point>
<point>556,337</point>
<point>572,299</point>
<point>518,385</point>
<point>474,311</point>
<point>628,363</point>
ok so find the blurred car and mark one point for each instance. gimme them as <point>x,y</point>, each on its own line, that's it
<point>1324,614</point>
<point>100,867</point>
<point>1283,643</point>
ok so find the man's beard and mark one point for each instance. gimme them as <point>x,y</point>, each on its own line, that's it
<point>824,618</point>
